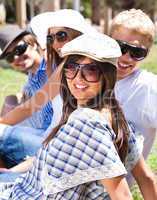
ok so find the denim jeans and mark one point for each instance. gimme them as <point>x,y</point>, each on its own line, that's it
<point>18,142</point>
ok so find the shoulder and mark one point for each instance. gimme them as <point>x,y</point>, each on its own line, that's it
<point>86,121</point>
<point>147,78</point>
<point>90,116</point>
<point>87,114</point>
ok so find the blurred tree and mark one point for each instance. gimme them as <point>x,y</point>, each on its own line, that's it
<point>86,8</point>
<point>149,7</point>
<point>95,12</point>
<point>63,4</point>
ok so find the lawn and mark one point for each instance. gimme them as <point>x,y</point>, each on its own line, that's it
<point>12,81</point>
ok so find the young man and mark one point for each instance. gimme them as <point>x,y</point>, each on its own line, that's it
<point>136,89</point>
<point>19,48</point>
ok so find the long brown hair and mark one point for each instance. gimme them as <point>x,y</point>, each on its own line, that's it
<point>52,57</point>
<point>105,99</point>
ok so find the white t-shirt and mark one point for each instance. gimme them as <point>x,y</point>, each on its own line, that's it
<point>137,95</point>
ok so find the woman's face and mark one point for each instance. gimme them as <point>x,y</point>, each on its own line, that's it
<point>84,80</point>
<point>60,37</point>
<point>27,57</point>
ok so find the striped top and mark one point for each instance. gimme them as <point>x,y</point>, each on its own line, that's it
<point>42,118</point>
<point>71,166</point>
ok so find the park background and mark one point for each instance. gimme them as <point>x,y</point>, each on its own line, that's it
<point>98,12</point>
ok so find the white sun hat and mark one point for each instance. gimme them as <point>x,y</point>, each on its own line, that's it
<point>62,18</point>
<point>99,47</point>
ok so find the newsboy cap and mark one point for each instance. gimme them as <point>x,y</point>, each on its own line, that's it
<point>8,34</point>
<point>99,47</point>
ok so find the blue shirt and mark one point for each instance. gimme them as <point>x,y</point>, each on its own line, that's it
<point>41,119</point>
<point>73,163</point>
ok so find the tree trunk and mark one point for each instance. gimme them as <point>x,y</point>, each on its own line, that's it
<point>95,12</point>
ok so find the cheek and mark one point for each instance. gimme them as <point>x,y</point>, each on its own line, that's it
<point>70,85</point>
<point>96,89</point>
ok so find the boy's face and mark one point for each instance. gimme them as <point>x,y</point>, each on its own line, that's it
<point>27,60</point>
<point>126,63</point>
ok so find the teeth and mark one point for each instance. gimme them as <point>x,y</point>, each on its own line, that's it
<point>124,65</point>
<point>80,86</point>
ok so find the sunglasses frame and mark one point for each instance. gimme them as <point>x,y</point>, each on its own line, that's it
<point>17,51</point>
<point>81,68</point>
<point>51,37</point>
<point>131,48</point>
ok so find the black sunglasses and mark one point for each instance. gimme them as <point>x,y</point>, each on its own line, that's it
<point>17,51</point>
<point>60,36</point>
<point>90,72</point>
<point>136,53</point>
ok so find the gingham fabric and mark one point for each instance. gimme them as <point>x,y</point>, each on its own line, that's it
<point>42,118</point>
<point>70,167</point>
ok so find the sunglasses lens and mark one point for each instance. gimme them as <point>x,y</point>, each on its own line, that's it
<point>91,72</point>
<point>20,49</point>
<point>123,47</point>
<point>61,36</point>
<point>17,51</point>
<point>138,53</point>
<point>71,70</point>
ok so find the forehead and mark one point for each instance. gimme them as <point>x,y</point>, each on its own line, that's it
<point>56,29</point>
<point>130,36</point>
<point>85,60</point>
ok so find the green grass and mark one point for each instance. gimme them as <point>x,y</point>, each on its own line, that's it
<point>150,63</point>
<point>11,82</point>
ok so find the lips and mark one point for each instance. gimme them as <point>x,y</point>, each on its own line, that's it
<point>79,86</point>
<point>124,66</point>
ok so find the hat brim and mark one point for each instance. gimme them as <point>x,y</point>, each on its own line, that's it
<point>23,33</point>
<point>113,61</point>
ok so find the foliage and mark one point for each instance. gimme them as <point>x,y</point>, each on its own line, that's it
<point>86,8</point>
<point>150,63</point>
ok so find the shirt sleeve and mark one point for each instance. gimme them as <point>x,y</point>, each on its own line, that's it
<point>135,148</point>
<point>82,151</point>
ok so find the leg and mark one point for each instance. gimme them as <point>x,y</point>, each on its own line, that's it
<point>19,142</point>
<point>10,102</point>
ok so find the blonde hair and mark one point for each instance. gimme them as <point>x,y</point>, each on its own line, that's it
<point>136,21</point>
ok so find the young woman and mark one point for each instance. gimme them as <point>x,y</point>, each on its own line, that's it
<point>84,156</point>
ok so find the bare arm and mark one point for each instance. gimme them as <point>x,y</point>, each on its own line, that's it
<point>117,188</point>
<point>145,180</point>
<point>42,96</point>
<point>24,166</point>
<point>20,168</point>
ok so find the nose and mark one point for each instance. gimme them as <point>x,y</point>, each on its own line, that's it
<point>79,75</point>
<point>127,57</point>
<point>57,45</point>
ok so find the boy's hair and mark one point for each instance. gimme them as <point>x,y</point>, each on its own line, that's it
<point>136,21</point>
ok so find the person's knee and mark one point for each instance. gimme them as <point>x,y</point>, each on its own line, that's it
<point>10,102</point>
